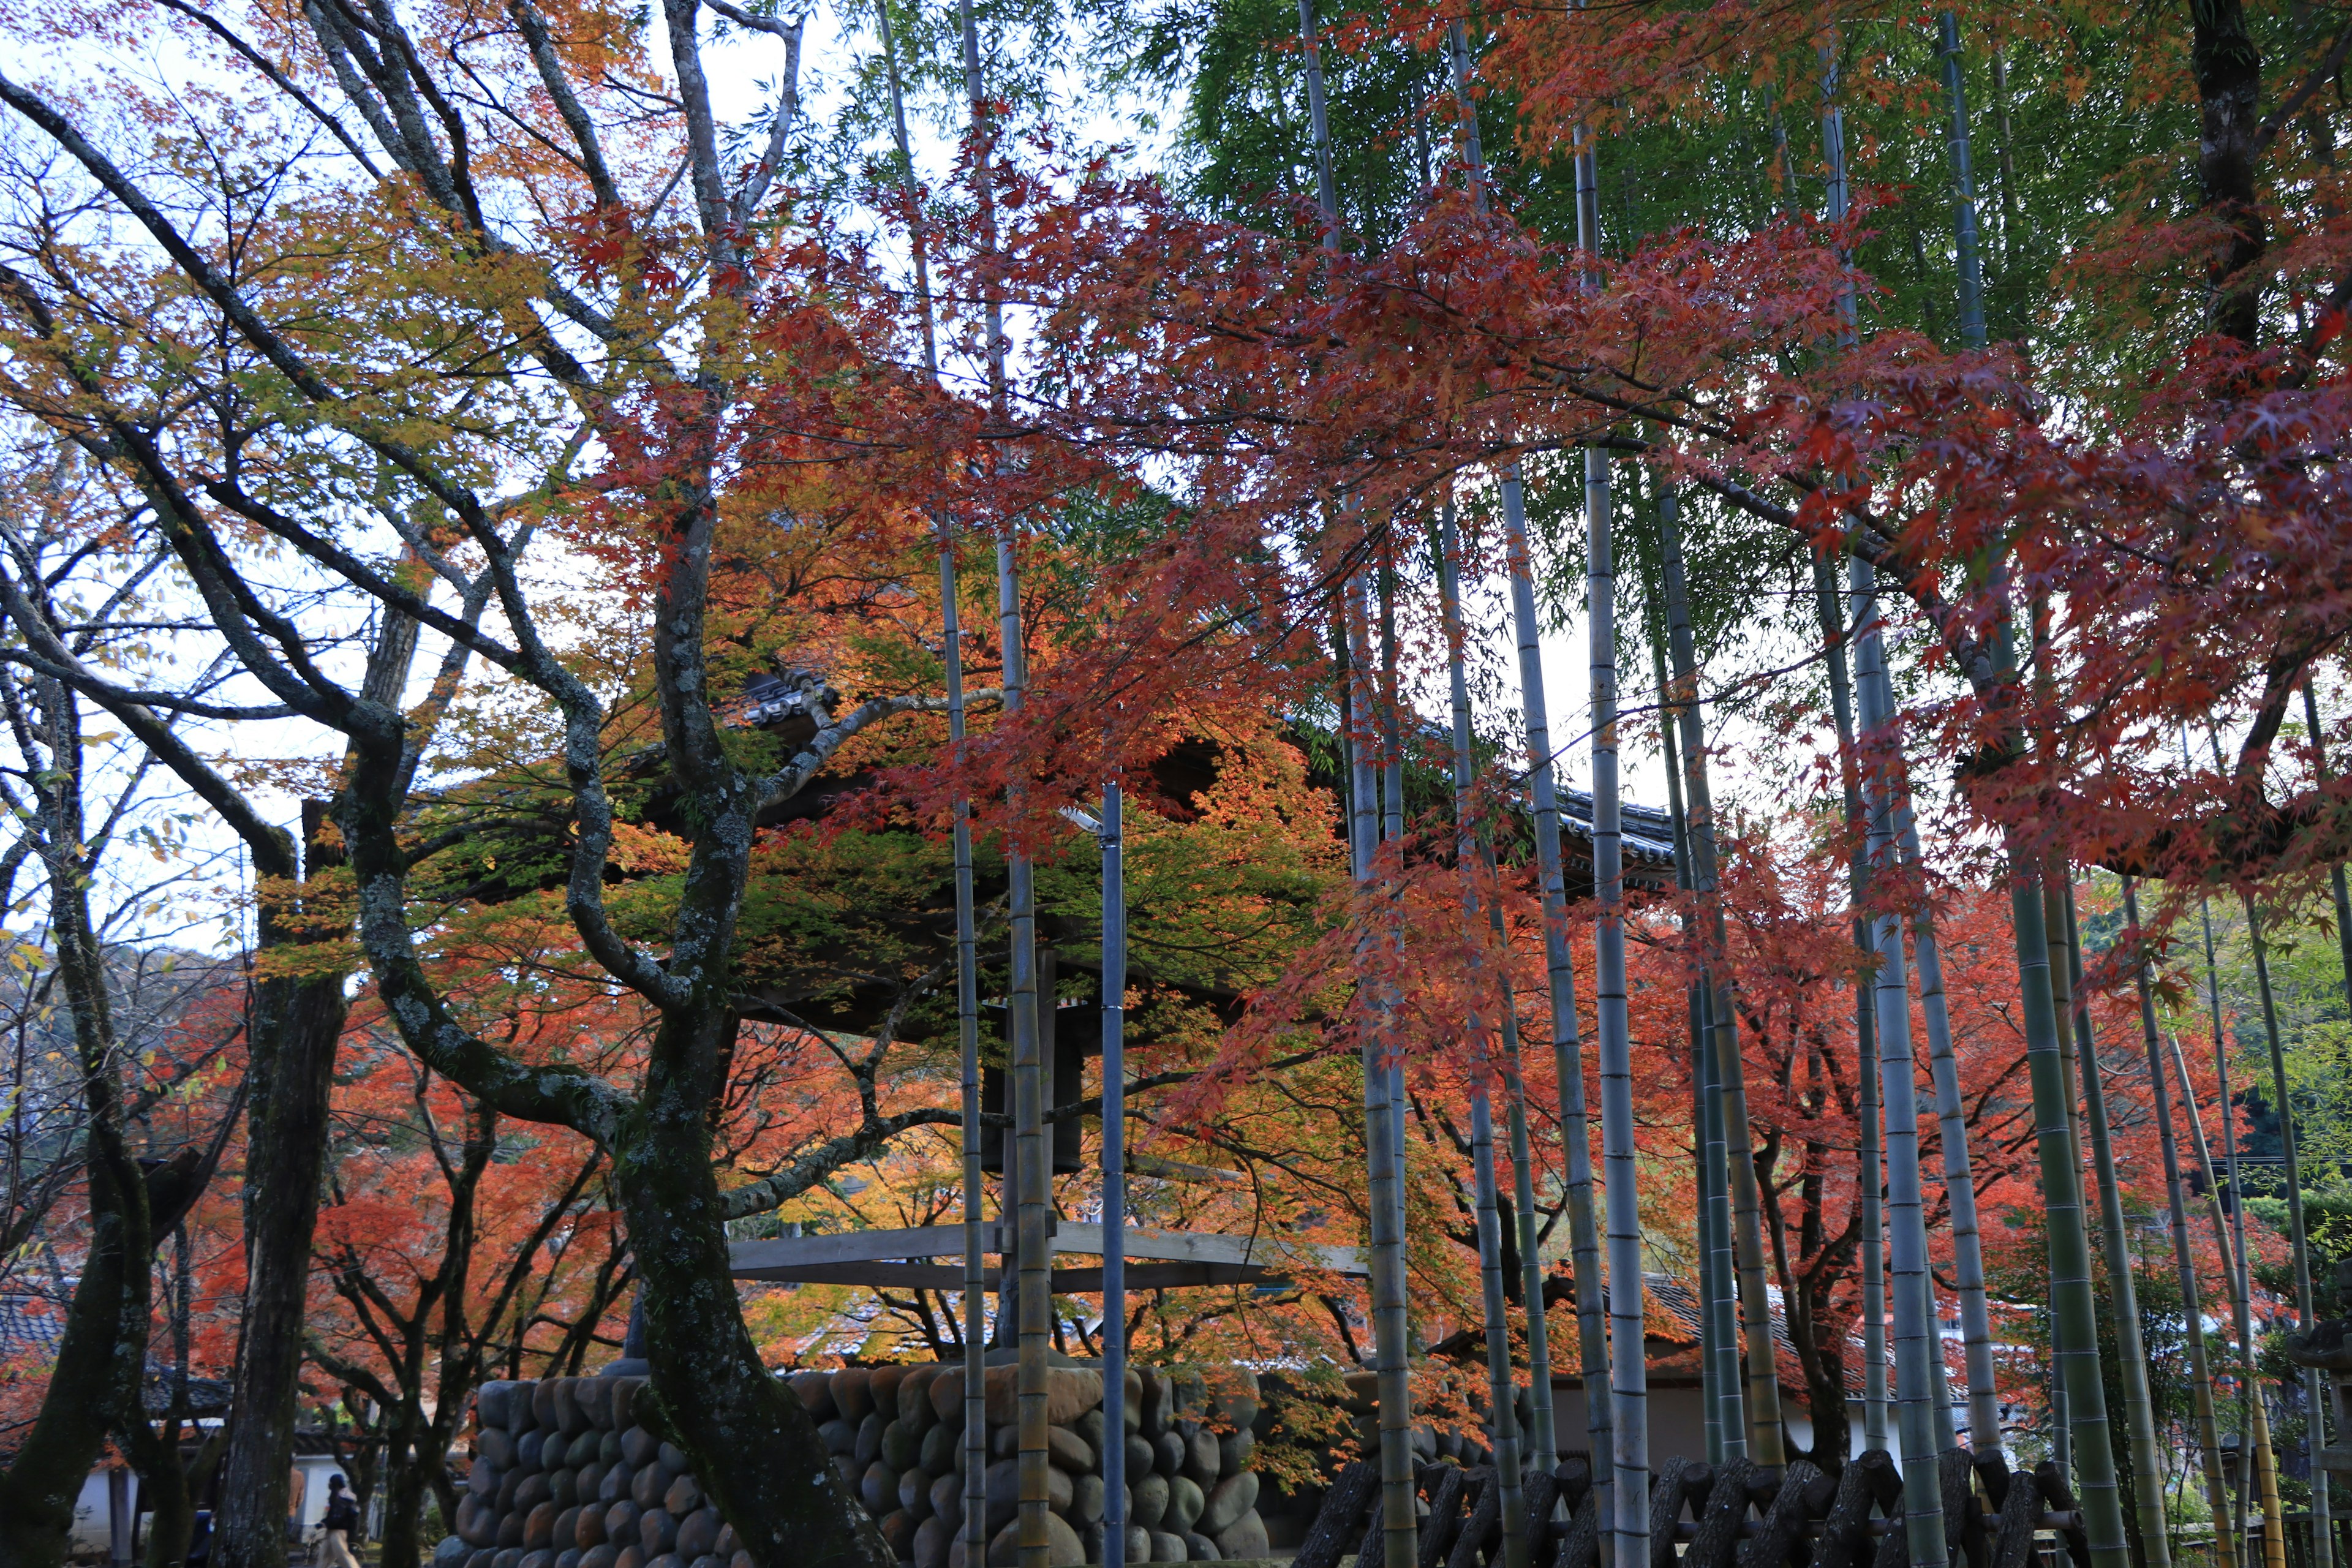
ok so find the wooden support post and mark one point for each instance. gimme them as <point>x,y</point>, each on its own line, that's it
<point>1482,1532</point>
<point>1444,1522</point>
<point>1667,1494</point>
<point>1785,1521</point>
<point>1580,1546</point>
<point>1717,1542</point>
<point>1340,1520</point>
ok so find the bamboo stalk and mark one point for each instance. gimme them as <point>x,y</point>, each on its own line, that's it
<point>1568,1055</point>
<point>1466,859</point>
<point>1959,1179</point>
<point>2298,1237</point>
<point>1711,1287</point>
<point>1381,1136</point>
<point>2201,1375</point>
<point>1959,1184</point>
<point>1966,243</point>
<point>2074,1305</point>
<point>1872,1243</point>
<point>2323,1480</point>
<point>975,1238</point>
<point>1383,1130</point>
<point>1726,1406</point>
<point>1768,1447</point>
<point>1391,831</point>
<point>2231,1240</point>
<point>2334,873</point>
<point>2139,1408</point>
<point>1628,1355</point>
<point>1030,1177</point>
<point>1914,1316</point>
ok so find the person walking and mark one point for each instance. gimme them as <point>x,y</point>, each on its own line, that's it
<point>342,1522</point>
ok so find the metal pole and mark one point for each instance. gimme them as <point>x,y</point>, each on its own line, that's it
<point>1114,1174</point>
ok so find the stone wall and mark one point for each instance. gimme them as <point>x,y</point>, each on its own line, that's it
<point>564,1476</point>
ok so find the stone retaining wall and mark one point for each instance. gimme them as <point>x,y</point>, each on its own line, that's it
<point>565,1476</point>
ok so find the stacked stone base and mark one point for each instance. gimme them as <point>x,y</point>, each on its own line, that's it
<point>563,1477</point>
<point>897,1434</point>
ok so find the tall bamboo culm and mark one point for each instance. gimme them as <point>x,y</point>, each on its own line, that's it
<point>2201,1375</point>
<point>2251,1424</point>
<point>975,1213</point>
<point>1718,1377</point>
<point>2314,1389</point>
<point>1951,1112</point>
<point>1560,975</point>
<point>1767,1446</point>
<point>1967,248</point>
<point>2074,1302</point>
<point>1959,1182</point>
<point>2254,1430</point>
<point>1384,1136</point>
<point>1868,1180</point>
<point>1028,1176</point>
<point>2322,1481</point>
<point>1467,862</point>
<point>2123,1291</point>
<point>1916,1334</point>
<point>1629,1397</point>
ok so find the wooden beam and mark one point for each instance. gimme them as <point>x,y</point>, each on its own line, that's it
<point>792,1256</point>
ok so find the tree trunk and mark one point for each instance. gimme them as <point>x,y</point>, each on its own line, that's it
<point>2229,70</point>
<point>754,1447</point>
<point>101,1361</point>
<point>97,1381</point>
<point>297,1026</point>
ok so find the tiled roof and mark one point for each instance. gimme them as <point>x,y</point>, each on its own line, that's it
<point>33,1326</point>
<point>1670,1321</point>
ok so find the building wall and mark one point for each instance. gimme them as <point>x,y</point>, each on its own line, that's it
<point>1678,1424</point>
